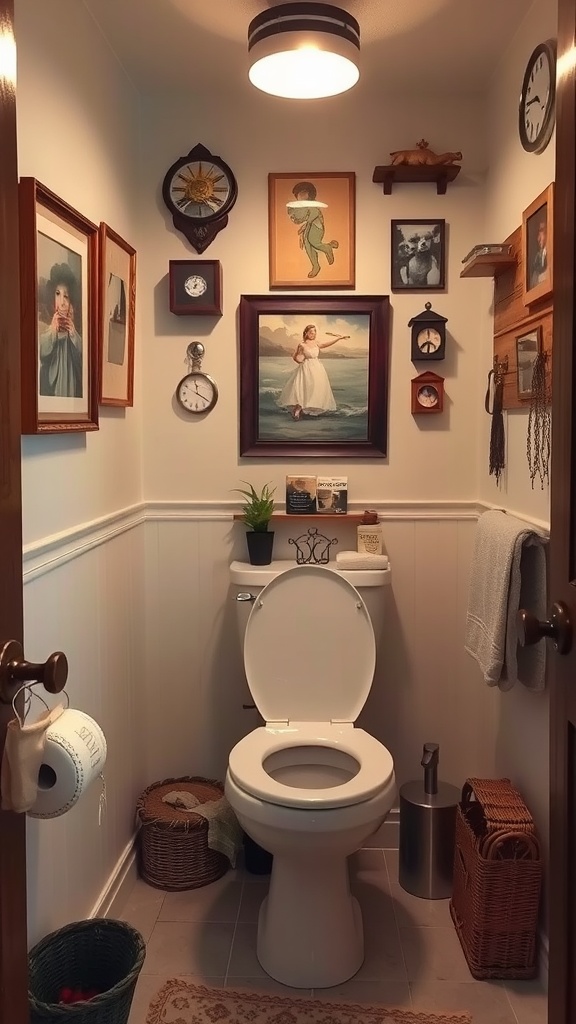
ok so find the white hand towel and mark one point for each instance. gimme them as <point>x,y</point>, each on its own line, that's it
<point>508,572</point>
<point>224,832</point>
<point>23,752</point>
<point>360,560</point>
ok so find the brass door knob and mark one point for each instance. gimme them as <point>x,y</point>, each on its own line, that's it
<point>15,670</point>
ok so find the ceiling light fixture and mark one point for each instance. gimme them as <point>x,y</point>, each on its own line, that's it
<point>304,51</point>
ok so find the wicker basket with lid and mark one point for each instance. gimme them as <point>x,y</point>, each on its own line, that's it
<point>173,843</point>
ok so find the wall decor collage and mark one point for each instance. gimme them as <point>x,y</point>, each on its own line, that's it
<point>78,301</point>
<point>313,368</point>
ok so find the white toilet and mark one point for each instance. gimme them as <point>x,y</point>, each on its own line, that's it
<point>308,786</point>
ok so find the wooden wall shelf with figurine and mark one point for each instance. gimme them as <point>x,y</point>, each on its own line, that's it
<point>490,264</point>
<point>388,174</point>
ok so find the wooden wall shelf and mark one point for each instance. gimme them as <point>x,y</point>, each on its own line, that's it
<point>349,517</point>
<point>389,173</point>
<point>489,264</point>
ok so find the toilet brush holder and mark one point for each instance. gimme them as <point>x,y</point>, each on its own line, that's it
<point>427,832</point>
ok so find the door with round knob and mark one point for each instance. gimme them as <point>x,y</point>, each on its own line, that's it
<point>558,628</point>
<point>15,670</point>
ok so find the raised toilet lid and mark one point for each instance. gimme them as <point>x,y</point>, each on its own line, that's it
<point>309,649</point>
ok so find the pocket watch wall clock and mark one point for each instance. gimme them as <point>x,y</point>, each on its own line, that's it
<point>428,334</point>
<point>537,99</point>
<point>199,190</point>
<point>197,391</point>
<point>195,287</point>
<point>427,393</point>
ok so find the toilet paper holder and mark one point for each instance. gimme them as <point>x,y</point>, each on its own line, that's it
<point>15,670</point>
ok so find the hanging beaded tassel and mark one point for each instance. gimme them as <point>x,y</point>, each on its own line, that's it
<point>497,439</point>
<point>539,425</point>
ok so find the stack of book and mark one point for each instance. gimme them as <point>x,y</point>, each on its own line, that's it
<point>327,495</point>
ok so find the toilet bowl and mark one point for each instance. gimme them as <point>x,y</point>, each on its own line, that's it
<point>308,786</point>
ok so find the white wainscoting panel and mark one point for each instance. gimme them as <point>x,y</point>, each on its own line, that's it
<point>92,607</point>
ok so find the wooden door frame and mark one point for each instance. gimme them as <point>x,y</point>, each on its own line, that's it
<point>562,926</point>
<point>13,940</point>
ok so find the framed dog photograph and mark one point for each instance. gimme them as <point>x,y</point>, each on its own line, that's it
<point>314,376</point>
<point>418,255</point>
<point>311,221</point>
<point>59,314</point>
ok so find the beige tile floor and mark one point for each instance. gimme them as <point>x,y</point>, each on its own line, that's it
<point>413,957</point>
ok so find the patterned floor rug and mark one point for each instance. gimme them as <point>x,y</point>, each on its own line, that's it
<point>180,1003</point>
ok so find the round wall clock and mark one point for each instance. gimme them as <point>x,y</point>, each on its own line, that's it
<point>199,190</point>
<point>197,392</point>
<point>537,99</point>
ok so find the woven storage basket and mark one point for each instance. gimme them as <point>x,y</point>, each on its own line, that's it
<point>173,844</point>
<point>497,880</point>
<point>102,954</point>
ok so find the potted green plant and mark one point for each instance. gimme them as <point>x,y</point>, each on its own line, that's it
<point>257,511</point>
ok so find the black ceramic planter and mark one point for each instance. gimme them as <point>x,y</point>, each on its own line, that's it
<point>260,547</point>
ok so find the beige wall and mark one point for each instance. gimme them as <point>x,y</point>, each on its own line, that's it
<point>138,564</point>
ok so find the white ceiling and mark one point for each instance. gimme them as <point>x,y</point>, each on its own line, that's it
<point>406,44</point>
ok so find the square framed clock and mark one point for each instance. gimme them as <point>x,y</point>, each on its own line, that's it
<point>195,287</point>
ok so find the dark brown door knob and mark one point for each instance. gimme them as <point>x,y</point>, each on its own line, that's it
<point>558,627</point>
<point>15,670</point>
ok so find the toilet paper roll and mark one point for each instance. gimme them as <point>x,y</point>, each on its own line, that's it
<point>74,755</point>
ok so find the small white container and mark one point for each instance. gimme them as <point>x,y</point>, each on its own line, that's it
<point>370,534</point>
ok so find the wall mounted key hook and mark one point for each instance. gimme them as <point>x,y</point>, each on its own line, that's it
<point>15,670</point>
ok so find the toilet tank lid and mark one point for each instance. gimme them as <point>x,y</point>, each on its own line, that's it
<point>245,575</point>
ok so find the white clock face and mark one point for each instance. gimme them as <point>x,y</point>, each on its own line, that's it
<point>197,392</point>
<point>427,396</point>
<point>536,114</point>
<point>195,286</point>
<point>428,340</point>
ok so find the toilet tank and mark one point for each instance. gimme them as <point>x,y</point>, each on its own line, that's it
<point>250,579</point>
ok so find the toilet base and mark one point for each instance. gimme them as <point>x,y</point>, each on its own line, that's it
<point>310,932</point>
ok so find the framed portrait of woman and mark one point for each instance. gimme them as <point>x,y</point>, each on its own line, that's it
<point>314,376</point>
<point>59,313</point>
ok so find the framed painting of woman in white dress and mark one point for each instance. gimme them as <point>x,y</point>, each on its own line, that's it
<point>314,376</point>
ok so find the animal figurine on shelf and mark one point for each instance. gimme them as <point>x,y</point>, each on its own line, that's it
<point>423,157</point>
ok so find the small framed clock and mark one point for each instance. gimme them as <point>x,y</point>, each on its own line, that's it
<point>427,393</point>
<point>428,335</point>
<point>195,287</point>
<point>536,110</point>
<point>199,190</point>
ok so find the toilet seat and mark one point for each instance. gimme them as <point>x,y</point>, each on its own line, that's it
<point>309,648</point>
<point>246,764</point>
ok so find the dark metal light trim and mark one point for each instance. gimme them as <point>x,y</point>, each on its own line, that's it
<point>304,17</point>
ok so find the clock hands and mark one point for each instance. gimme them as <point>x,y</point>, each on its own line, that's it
<point>535,99</point>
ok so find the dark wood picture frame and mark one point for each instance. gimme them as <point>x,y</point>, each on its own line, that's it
<point>209,302</point>
<point>418,254</point>
<point>538,238</point>
<point>69,242</point>
<point>312,229</point>
<point>117,318</point>
<point>528,346</point>
<point>273,326</point>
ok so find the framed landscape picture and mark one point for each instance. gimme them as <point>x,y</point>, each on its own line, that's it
<point>314,376</point>
<point>418,255</point>
<point>117,318</point>
<point>59,313</point>
<point>311,221</point>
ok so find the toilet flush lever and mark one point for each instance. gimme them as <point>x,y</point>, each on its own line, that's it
<point>245,597</point>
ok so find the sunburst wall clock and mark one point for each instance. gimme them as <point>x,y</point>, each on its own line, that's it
<point>199,190</point>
